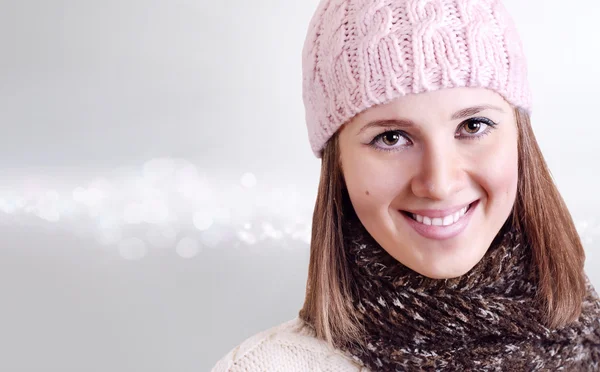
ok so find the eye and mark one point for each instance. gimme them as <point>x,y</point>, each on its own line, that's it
<point>390,141</point>
<point>390,138</point>
<point>472,127</point>
<point>475,127</point>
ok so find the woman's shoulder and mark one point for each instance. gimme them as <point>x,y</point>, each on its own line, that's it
<point>291,346</point>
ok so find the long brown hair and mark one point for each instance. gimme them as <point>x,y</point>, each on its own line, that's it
<point>539,213</point>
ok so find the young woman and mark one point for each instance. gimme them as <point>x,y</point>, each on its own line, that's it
<point>439,239</point>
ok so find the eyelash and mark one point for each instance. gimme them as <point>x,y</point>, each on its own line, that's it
<point>489,123</point>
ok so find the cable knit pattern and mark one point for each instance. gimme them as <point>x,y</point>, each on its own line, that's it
<point>361,53</point>
<point>289,347</point>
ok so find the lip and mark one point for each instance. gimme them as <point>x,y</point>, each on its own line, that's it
<point>442,232</point>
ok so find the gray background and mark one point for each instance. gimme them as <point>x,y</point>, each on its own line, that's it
<point>156,182</point>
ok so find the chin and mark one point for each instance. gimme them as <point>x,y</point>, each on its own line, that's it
<point>443,269</point>
<point>444,274</point>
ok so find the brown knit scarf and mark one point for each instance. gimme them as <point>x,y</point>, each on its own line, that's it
<point>485,320</point>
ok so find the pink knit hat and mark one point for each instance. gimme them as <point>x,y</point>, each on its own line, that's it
<point>361,53</point>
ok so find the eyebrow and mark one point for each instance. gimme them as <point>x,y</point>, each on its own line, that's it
<point>388,123</point>
<point>405,123</point>
<point>470,111</point>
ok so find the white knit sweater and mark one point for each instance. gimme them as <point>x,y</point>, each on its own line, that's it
<point>289,347</point>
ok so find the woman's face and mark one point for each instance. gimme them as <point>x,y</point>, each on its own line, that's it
<point>433,176</point>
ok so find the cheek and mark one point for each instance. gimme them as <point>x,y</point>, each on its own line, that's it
<point>372,184</point>
<point>498,173</point>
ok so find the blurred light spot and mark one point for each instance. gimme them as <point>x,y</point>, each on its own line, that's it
<point>277,195</point>
<point>133,213</point>
<point>109,236</point>
<point>303,234</point>
<point>247,237</point>
<point>79,194</point>
<point>155,211</point>
<point>94,212</point>
<point>211,238</point>
<point>5,207</point>
<point>166,197</point>
<point>222,215</point>
<point>107,222</point>
<point>132,249</point>
<point>187,177</point>
<point>248,180</point>
<point>162,237</point>
<point>187,247</point>
<point>49,215</point>
<point>101,184</point>
<point>191,186</point>
<point>202,220</point>
<point>109,231</point>
<point>47,207</point>
<point>94,197</point>
<point>270,232</point>
<point>91,197</point>
<point>244,211</point>
<point>52,195</point>
<point>158,169</point>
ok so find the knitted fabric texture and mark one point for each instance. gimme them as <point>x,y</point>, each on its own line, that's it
<point>361,53</point>
<point>485,320</point>
<point>288,347</point>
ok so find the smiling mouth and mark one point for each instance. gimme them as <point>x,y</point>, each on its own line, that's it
<point>440,221</point>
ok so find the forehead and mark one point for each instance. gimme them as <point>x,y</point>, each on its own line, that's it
<point>439,105</point>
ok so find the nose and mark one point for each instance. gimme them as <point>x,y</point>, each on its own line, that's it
<point>439,174</point>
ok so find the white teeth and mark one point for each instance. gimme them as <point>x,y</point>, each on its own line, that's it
<point>448,220</point>
<point>441,221</point>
